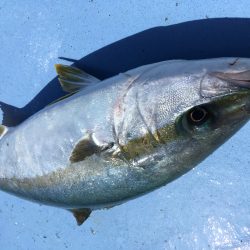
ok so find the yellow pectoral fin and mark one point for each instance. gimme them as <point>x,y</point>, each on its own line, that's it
<point>83,149</point>
<point>87,147</point>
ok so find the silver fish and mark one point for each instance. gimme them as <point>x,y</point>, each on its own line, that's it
<point>113,140</point>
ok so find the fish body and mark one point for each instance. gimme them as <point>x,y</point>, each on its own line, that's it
<point>127,135</point>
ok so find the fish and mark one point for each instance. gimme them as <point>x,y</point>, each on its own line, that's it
<point>107,142</point>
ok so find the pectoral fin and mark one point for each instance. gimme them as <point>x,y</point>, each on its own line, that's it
<point>73,79</point>
<point>87,147</point>
<point>81,214</point>
<point>83,149</point>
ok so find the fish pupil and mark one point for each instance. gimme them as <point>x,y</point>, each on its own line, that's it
<point>198,115</point>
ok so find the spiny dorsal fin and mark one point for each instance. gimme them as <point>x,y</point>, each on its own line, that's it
<point>62,98</point>
<point>3,130</point>
<point>73,79</point>
<point>81,214</point>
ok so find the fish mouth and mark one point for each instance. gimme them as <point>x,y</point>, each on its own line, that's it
<point>232,109</point>
<point>240,79</point>
<point>238,83</point>
<point>229,96</point>
<point>216,84</point>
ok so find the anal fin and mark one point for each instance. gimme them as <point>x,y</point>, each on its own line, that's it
<point>81,214</point>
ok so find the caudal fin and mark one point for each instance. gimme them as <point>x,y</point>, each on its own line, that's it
<point>11,115</point>
<point>3,130</point>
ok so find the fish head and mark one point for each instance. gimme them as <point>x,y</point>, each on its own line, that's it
<point>189,114</point>
<point>180,112</point>
<point>222,108</point>
<point>204,114</point>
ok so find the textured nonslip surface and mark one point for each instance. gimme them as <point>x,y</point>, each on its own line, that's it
<point>208,208</point>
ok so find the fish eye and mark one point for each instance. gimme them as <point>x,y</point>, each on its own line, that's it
<point>198,115</point>
<point>197,120</point>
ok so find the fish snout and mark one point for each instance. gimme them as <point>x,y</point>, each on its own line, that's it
<point>218,83</point>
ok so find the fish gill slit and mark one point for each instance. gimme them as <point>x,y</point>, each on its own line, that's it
<point>120,153</point>
<point>156,137</point>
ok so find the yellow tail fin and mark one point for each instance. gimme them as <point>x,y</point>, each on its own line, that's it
<point>3,130</point>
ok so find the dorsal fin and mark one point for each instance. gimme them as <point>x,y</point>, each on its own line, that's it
<point>73,79</point>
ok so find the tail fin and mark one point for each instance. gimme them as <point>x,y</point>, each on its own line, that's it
<point>3,130</point>
<point>11,115</point>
